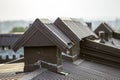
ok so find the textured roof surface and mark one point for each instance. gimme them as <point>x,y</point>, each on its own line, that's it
<point>73,28</point>
<point>43,34</point>
<point>55,35</point>
<point>8,71</point>
<point>84,71</point>
<point>8,39</point>
<point>83,26</point>
<point>58,33</point>
<point>79,70</point>
<point>109,26</point>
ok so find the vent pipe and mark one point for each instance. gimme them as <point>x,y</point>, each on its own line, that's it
<point>102,36</point>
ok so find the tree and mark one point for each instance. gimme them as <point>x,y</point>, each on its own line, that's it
<point>18,29</point>
<point>0,30</point>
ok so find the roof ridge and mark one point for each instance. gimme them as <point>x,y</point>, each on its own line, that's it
<point>43,28</point>
<point>14,46</point>
<point>108,26</point>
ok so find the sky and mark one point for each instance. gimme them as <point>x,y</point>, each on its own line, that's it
<point>32,9</point>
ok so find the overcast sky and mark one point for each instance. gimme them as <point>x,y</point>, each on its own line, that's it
<point>31,9</point>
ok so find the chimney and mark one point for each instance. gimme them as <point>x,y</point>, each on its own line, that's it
<point>89,24</point>
<point>102,36</point>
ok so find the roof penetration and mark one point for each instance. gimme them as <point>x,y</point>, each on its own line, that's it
<point>73,28</point>
<point>46,33</point>
<point>55,35</point>
<point>59,34</point>
<point>104,27</point>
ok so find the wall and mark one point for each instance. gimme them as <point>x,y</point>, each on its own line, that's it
<point>51,55</point>
<point>9,55</point>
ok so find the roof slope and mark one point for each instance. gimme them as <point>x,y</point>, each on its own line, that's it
<point>8,71</point>
<point>73,28</point>
<point>8,39</point>
<point>83,71</point>
<point>109,26</point>
<point>87,70</point>
<point>43,34</point>
<point>104,27</point>
<point>84,27</point>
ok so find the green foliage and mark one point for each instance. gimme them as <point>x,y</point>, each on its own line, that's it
<point>18,29</point>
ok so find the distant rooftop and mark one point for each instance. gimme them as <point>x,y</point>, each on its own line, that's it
<point>8,39</point>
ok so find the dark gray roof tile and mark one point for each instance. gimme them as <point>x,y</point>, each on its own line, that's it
<point>8,39</point>
<point>85,71</point>
<point>73,28</point>
<point>43,30</point>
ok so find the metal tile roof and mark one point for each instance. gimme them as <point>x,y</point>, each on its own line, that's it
<point>73,28</point>
<point>46,35</point>
<point>8,39</point>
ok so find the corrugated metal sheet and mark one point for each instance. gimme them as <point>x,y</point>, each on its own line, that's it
<point>8,39</point>
<point>73,28</point>
<point>48,32</point>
